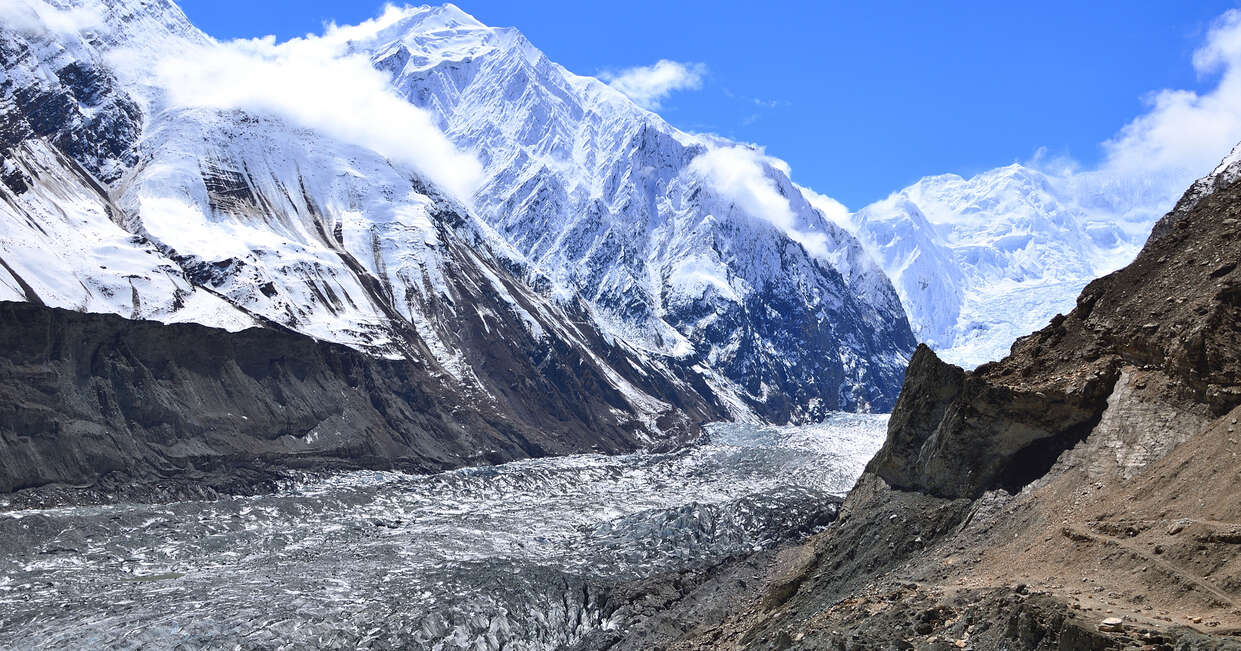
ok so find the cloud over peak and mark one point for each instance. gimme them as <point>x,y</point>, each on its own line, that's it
<point>1184,129</point>
<point>743,176</point>
<point>649,85</point>
<point>1182,136</point>
<point>37,16</point>
<point>318,83</point>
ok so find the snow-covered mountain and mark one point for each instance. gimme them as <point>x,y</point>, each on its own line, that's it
<point>682,245</point>
<point>979,262</point>
<point>116,198</point>
<point>591,221</point>
<point>68,134</point>
<point>608,267</point>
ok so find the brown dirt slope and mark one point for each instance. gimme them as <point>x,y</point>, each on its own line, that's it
<point>1093,474</point>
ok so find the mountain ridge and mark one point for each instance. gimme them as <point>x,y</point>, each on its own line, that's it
<point>606,198</point>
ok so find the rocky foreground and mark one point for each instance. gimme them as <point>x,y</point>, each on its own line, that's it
<point>1080,494</point>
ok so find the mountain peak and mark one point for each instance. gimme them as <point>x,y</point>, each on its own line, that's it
<point>451,12</point>
<point>433,34</point>
<point>431,18</point>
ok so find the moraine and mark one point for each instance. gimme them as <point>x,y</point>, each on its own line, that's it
<point>524,555</point>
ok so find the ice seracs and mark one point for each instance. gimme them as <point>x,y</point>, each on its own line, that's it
<point>979,262</point>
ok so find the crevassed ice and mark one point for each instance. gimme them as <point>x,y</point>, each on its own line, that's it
<point>532,554</point>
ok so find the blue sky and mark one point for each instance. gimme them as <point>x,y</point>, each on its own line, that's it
<point>860,98</point>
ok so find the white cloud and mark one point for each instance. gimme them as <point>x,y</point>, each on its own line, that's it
<point>368,29</point>
<point>649,85</point>
<point>37,16</point>
<point>1181,137</point>
<point>742,176</point>
<point>316,83</point>
<point>1184,129</point>
<point>832,209</point>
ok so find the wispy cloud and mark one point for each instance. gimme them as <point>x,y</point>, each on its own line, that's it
<point>770,103</point>
<point>756,107</point>
<point>649,85</point>
<point>744,176</point>
<point>315,82</point>
<point>37,16</point>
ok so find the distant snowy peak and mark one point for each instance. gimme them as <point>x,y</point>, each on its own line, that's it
<point>1009,214</point>
<point>979,262</point>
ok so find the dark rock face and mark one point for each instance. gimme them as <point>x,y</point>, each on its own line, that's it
<point>85,395</point>
<point>79,109</point>
<point>955,434</point>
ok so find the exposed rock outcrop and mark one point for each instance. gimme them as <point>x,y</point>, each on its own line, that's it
<point>957,434</point>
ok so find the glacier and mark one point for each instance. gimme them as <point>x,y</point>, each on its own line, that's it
<point>537,554</point>
<point>980,262</point>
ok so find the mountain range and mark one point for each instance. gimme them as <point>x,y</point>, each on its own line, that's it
<point>417,244</point>
<point>540,236</point>
<point>593,220</point>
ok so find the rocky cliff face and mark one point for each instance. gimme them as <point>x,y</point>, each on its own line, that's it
<point>98,399</point>
<point>1075,495</point>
